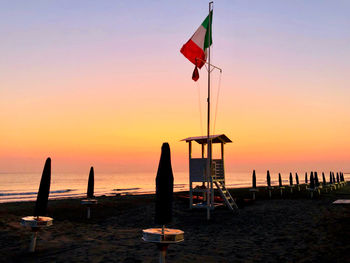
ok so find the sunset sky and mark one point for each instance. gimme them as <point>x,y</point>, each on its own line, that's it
<point>103,83</point>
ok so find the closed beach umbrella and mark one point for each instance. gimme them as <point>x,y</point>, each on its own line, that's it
<point>306,177</point>
<point>337,178</point>
<point>44,190</point>
<point>164,188</point>
<point>254,179</point>
<point>312,181</point>
<point>333,177</point>
<point>279,179</point>
<point>297,178</point>
<point>317,183</point>
<point>268,178</point>
<point>342,177</point>
<point>290,179</point>
<point>324,179</point>
<point>330,178</point>
<point>90,189</point>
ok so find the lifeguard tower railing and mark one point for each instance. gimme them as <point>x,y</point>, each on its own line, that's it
<point>198,174</point>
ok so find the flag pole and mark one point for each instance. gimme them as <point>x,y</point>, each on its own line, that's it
<point>209,153</point>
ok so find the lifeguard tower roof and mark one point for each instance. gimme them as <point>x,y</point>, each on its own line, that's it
<point>219,138</point>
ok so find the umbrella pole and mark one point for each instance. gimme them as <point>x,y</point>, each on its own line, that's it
<point>162,248</point>
<point>162,252</point>
<point>33,240</point>
<point>88,212</point>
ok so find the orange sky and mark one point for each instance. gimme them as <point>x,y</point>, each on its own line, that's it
<point>106,93</point>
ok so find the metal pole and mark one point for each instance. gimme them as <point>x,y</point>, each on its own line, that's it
<point>33,241</point>
<point>88,212</point>
<point>208,124</point>
<point>162,252</point>
<point>189,165</point>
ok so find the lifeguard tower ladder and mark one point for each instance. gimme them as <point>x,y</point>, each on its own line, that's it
<point>198,174</point>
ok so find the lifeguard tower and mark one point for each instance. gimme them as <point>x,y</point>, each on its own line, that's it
<point>199,181</point>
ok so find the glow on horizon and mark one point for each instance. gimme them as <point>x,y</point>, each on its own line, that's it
<point>105,85</point>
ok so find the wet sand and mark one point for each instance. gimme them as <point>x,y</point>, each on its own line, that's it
<point>289,229</point>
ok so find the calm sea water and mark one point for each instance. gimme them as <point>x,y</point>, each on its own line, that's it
<point>24,187</point>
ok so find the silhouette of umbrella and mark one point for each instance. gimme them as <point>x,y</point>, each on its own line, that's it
<point>342,177</point>
<point>312,181</point>
<point>268,178</point>
<point>324,179</point>
<point>90,188</point>
<point>297,178</point>
<point>337,177</point>
<point>290,179</point>
<point>44,190</point>
<point>333,177</point>
<point>254,179</point>
<point>164,188</point>
<point>305,177</point>
<point>317,183</point>
<point>330,178</point>
<point>279,179</point>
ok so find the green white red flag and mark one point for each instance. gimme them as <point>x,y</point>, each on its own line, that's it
<point>195,50</point>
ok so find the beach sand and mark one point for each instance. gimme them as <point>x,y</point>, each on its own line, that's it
<point>289,229</point>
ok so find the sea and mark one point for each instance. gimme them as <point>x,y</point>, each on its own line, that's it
<point>16,187</point>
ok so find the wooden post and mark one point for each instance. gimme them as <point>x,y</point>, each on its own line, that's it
<point>222,159</point>
<point>212,192</point>
<point>222,151</point>
<point>189,158</point>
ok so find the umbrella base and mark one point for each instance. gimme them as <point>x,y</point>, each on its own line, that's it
<point>88,202</point>
<point>35,222</point>
<point>162,240</point>
<point>170,236</point>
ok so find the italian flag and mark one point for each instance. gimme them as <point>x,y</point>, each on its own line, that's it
<point>195,48</point>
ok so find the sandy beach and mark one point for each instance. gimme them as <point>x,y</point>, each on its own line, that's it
<point>289,229</point>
